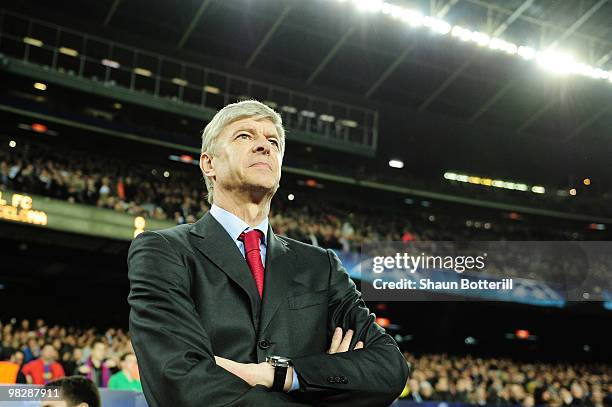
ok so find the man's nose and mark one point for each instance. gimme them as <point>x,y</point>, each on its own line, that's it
<point>261,145</point>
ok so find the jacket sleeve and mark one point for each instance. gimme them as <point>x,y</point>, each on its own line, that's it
<point>174,352</point>
<point>373,376</point>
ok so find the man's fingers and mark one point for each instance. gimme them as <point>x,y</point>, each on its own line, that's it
<point>359,345</point>
<point>336,340</point>
<point>346,341</point>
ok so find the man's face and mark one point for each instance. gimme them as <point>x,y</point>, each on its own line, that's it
<point>247,157</point>
<point>18,358</point>
<point>48,352</point>
<point>129,363</point>
<point>98,351</point>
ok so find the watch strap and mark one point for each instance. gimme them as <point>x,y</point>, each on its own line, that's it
<point>280,374</point>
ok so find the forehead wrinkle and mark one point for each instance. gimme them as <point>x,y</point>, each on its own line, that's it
<point>253,129</point>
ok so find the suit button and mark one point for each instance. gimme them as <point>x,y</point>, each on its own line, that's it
<point>331,379</point>
<point>337,379</point>
<point>344,381</point>
<point>263,344</point>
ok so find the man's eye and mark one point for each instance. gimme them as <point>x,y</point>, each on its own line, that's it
<point>243,135</point>
<point>275,142</point>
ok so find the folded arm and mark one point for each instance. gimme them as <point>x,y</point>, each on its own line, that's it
<point>372,376</point>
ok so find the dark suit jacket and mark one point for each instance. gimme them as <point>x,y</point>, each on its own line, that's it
<point>192,297</point>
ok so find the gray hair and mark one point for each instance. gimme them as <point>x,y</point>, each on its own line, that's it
<point>228,115</point>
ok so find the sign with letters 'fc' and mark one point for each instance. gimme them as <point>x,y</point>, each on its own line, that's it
<point>19,208</point>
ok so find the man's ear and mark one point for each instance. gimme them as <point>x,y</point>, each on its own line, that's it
<point>206,165</point>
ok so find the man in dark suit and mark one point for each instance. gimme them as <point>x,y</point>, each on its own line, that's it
<point>226,313</point>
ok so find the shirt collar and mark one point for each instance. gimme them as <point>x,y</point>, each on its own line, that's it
<point>234,226</point>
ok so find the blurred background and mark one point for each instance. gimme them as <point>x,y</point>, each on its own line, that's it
<point>417,120</point>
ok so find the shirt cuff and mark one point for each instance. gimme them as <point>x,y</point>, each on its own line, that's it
<point>296,383</point>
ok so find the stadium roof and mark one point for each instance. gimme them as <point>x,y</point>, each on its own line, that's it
<point>331,43</point>
<point>375,60</point>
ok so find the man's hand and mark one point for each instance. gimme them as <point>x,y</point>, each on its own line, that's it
<point>84,369</point>
<point>341,344</point>
<point>263,373</point>
<point>254,373</point>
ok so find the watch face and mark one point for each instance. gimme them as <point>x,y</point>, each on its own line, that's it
<point>279,361</point>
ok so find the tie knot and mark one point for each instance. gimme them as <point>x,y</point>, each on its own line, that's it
<point>251,239</point>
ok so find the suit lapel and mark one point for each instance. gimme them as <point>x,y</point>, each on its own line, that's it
<point>209,237</point>
<point>280,262</point>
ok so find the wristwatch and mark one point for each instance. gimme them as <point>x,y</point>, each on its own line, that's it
<point>281,364</point>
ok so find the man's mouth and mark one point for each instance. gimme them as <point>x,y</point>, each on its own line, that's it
<point>262,165</point>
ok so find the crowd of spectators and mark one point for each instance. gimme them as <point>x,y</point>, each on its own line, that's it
<point>107,359</point>
<point>142,190</point>
<point>505,382</point>
<point>39,353</point>
<point>103,182</point>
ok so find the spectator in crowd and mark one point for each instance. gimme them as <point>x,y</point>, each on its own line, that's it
<point>97,368</point>
<point>74,391</point>
<point>10,369</point>
<point>128,378</point>
<point>31,351</point>
<point>45,368</point>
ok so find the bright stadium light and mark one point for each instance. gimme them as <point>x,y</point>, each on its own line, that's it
<point>489,182</point>
<point>395,163</point>
<point>33,41</point>
<point>69,51</point>
<point>373,6</point>
<point>526,52</point>
<point>412,18</point>
<point>291,197</point>
<point>308,113</point>
<point>179,81</point>
<point>143,72</point>
<point>212,89</point>
<point>481,39</point>
<point>437,25</point>
<point>520,187</point>
<point>40,86</point>
<point>289,109</point>
<point>348,123</point>
<point>110,63</point>
<point>462,33</point>
<point>554,62</point>
<point>498,44</point>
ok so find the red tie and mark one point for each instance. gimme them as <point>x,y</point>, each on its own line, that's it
<point>252,252</point>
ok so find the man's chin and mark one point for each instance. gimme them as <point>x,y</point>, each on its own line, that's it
<point>262,189</point>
